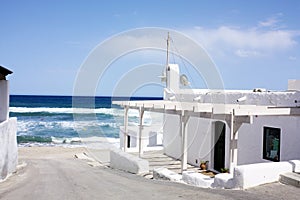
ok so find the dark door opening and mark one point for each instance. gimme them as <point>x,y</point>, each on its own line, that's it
<point>128,141</point>
<point>219,150</point>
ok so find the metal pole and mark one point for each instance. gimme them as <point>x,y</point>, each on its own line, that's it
<point>167,62</point>
<point>168,44</point>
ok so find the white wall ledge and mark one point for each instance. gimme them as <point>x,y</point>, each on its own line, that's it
<point>246,176</point>
<point>296,165</point>
<point>243,176</point>
<point>127,162</point>
<point>224,181</point>
<point>165,174</point>
<point>197,179</point>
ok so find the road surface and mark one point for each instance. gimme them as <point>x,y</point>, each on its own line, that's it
<point>56,174</point>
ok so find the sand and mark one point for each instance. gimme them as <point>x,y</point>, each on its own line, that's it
<point>56,173</point>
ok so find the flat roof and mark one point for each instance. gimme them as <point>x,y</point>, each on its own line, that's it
<point>228,91</point>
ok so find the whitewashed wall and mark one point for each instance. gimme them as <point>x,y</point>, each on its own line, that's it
<point>199,139</point>
<point>151,136</point>
<point>8,147</point>
<point>172,138</point>
<point>200,142</point>
<point>250,139</point>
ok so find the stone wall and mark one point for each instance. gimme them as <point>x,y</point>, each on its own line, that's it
<point>8,147</point>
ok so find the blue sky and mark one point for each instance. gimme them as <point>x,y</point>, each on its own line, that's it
<point>253,43</point>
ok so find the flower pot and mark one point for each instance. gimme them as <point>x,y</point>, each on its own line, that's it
<point>203,166</point>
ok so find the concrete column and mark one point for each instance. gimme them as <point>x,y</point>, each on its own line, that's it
<point>141,116</point>
<point>183,128</point>
<point>4,100</point>
<point>233,150</point>
<point>125,128</point>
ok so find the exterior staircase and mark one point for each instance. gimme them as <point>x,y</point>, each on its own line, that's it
<point>290,178</point>
<point>157,159</point>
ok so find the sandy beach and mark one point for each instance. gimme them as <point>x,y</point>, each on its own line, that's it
<point>56,173</point>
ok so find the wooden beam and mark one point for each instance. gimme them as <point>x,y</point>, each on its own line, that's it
<point>215,109</point>
<point>262,110</point>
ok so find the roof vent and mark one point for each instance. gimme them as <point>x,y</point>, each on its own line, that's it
<point>259,90</point>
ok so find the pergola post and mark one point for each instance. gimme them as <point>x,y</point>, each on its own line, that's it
<point>125,127</point>
<point>141,115</point>
<point>183,129</point>
<point>233,130</point>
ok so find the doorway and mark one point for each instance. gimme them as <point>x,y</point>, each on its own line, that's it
<point>219,149</point>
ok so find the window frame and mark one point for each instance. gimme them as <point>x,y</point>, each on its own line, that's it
<point>265,132</point>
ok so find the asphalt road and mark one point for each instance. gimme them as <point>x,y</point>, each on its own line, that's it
<point>64,177</point>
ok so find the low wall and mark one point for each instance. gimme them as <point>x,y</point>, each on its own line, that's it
<point>8,147</point>
<point>165,174</point>
<point>197,179</point>
<point>296,165</point>
<point>127,162</point>
<point>246,176</point>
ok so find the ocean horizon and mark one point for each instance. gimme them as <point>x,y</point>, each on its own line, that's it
<point>49,119</point>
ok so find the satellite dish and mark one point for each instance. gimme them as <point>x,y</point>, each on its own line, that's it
<point>184,80</point>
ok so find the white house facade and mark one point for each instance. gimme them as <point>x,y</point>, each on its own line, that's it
<point>227,128</point>
<point>264,137</point>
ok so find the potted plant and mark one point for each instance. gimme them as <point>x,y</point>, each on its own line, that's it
<point>224,170</point>
<point>203,164</point>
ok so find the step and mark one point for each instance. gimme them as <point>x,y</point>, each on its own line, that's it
<point>290,178</point>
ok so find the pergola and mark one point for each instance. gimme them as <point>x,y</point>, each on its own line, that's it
<point>234,115</point>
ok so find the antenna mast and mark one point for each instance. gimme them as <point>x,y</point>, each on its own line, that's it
<point>167,64</point>
<point>168,44</point>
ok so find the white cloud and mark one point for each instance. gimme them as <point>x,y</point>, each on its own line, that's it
<point>272,22</point>
<point>247,39</point>
<point>246,53</point>
<point>269,22</point>
<point>245,42</point>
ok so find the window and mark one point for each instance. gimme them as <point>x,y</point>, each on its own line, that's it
<point>271,145</point>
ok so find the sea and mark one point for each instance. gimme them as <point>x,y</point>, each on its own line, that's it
<point>52,120</point>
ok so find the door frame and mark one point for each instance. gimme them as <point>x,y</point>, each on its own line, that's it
<point>214,143</point>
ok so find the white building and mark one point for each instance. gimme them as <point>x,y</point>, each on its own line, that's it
<point>228,128</point>
<point>265,126</point>
<point>8,130</point>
